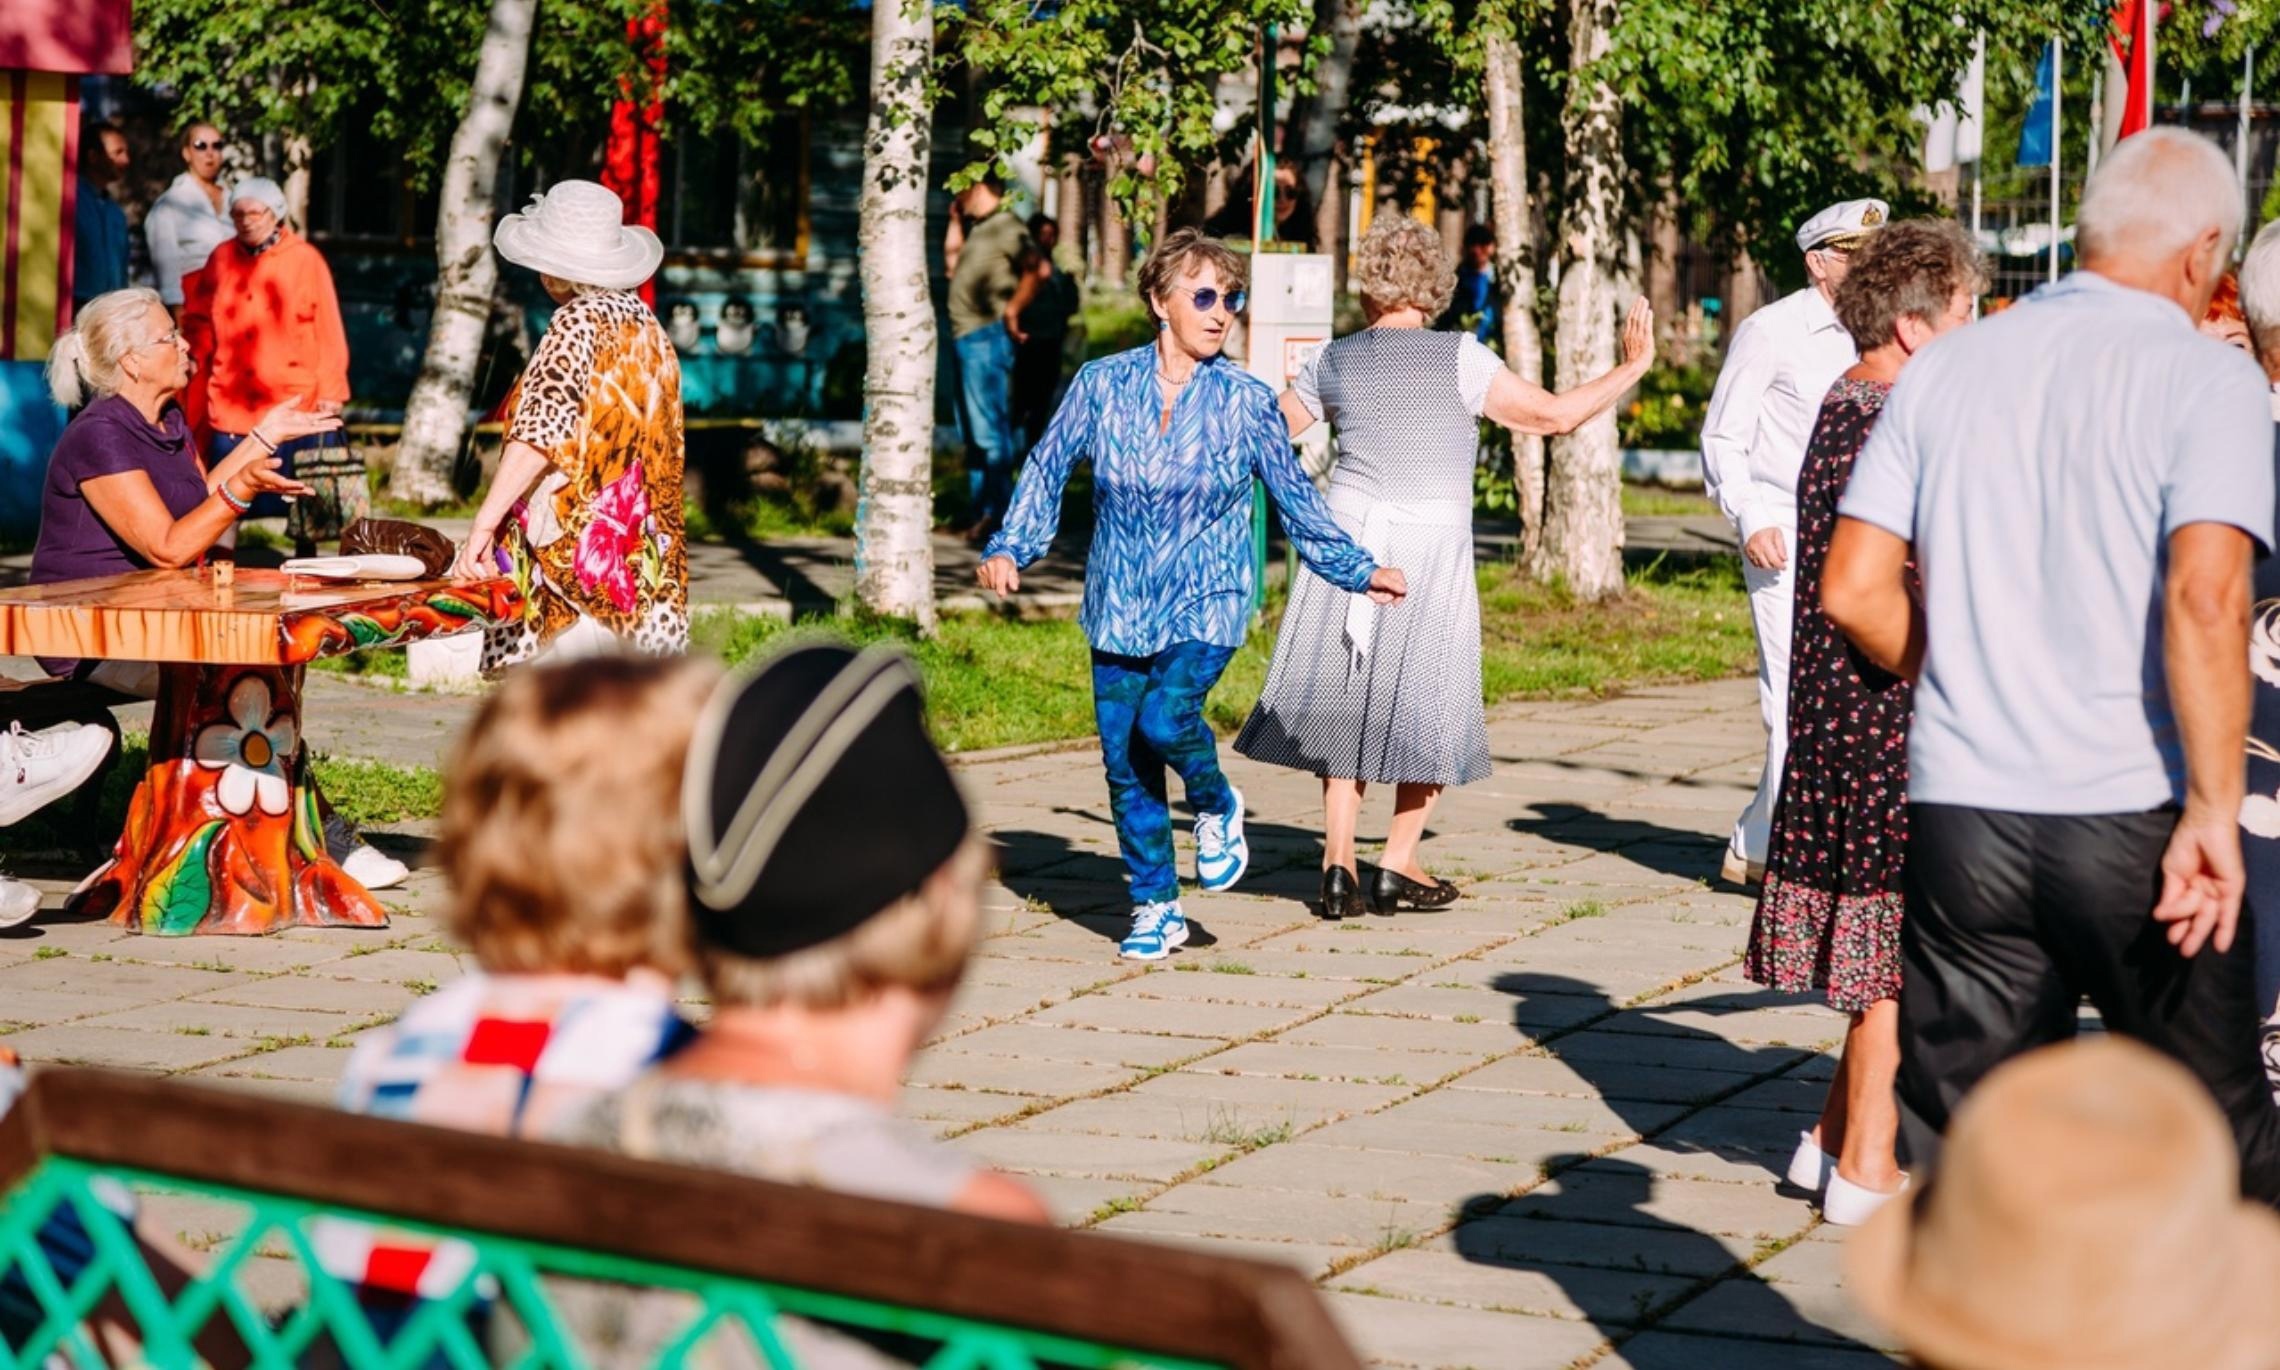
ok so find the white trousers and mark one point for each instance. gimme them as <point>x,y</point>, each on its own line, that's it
<point>1772,605</point>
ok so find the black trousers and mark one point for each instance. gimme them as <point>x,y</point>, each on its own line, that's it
<point>2013,919</point>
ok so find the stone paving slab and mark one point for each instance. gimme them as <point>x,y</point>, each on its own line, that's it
<point>1541,1128</point>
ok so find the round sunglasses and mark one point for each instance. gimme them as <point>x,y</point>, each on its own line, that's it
<point>1205,298</point>
<point>201,145</point>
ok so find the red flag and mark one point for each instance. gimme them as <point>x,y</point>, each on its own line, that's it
<point>630,165</point>
<point>2133,22</point>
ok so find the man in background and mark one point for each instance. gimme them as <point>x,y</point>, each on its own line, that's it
<point>99,226</point>
<point>1780,364</point>
<point>991,285</point>
<point>1038,361</point>
<point>1473,308</point>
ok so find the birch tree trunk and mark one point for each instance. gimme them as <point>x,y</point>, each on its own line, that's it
<point>1583,526</point>
<point>435,417</point>
<point>894,523</point>
<point>1318,116</point>
<point>1517,247</point>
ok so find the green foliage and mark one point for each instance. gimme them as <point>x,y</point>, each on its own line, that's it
<point>1148,70</point>
<point>403,69</point>
<point>1115,321</point>
<point>1667,412</point>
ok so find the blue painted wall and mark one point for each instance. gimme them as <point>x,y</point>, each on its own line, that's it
<point>30,422</point>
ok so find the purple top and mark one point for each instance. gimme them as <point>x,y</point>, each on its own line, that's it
<point>109,437</point>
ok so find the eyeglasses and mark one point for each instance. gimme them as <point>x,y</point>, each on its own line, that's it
<point>201,145</point>
<point>1207,297</point>
<point>170,338</point>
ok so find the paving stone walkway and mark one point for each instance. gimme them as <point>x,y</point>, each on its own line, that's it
<point>1541,1128</point>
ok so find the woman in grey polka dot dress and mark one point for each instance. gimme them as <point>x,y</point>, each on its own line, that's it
<point>1361,695</point>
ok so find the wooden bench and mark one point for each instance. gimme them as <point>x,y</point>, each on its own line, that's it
<point>979,1294</point>
<point>38,704</point>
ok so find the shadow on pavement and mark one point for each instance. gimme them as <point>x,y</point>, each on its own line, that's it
<point>1679,852</point>
<point>1542,1231</point>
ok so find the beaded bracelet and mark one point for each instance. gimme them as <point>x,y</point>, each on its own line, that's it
<point>241,505</point>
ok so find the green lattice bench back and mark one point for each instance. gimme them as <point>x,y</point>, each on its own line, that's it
<point>978,1294</point>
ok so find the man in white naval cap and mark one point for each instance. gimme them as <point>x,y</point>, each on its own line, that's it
<point>1781,362</point>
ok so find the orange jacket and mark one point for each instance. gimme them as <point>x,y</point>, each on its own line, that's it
<point>263,329</point>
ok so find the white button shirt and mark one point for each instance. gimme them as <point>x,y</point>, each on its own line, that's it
<point>1780,365</point>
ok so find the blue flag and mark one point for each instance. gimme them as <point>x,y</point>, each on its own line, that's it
<point>2034,139</point>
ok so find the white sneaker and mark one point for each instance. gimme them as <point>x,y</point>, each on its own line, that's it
<point>18,901</point>
<point>36,769</point>
<point>1849,1205</point>
<point>1811,1167</point>
<point>374,869</point>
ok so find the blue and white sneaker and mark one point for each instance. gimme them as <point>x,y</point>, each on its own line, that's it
<point>1156,929</point>
<point>1221,853</point>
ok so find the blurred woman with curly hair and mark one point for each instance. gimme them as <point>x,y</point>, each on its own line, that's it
<point>1357,696</point>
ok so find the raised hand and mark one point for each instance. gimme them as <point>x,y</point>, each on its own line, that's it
<point>291,420</point>
<point>1639,335</point>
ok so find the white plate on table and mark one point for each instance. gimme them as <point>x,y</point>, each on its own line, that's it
<point>370,566</point>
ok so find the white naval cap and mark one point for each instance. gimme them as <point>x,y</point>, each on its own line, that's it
<point>1851,219</point>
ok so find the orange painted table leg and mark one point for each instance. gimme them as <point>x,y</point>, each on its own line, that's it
<point>224,833</point>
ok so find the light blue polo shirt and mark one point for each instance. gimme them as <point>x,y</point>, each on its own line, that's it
<point>2039,460</point>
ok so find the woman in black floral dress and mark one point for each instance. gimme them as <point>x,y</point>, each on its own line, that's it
<point>1829,916</point>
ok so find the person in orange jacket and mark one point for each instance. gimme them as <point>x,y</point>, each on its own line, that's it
<point>263,321</point>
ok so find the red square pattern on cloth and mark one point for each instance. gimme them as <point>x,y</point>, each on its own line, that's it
<point>397,1268</point>
<point>507,1042</point>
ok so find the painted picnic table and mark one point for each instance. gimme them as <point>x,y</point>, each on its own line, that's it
<point>224,833</point>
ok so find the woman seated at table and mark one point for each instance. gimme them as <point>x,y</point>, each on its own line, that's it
<point>126,492</point>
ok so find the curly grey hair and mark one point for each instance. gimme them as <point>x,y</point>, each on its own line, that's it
<point>1402,263</point>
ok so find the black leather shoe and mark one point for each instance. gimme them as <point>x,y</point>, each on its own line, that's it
<point>1389,890</point>
<point>1341,894</point>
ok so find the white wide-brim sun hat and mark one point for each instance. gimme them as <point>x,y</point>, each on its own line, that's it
<point>577,231</point>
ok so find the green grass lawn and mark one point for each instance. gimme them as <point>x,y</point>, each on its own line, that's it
<point>1655,501</point>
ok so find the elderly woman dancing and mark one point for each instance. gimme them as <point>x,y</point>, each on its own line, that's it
<point>1359,697</point>
<point>591,476</point>
<point>1175,433</point>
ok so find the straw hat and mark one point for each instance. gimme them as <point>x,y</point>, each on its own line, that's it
<point>577,231</point>
<point>2086,1214</point>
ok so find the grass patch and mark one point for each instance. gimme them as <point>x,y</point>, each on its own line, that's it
<point>1658,501</point>
<point>389,663</point>
<point>377,792</point>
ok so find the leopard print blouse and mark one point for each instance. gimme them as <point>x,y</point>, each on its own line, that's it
<point>600,537</point>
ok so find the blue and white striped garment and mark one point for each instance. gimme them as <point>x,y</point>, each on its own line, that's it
<point>1171,552</point>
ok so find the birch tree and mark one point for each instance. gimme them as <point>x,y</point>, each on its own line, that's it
<point>1517,248</point>
<point>894,549</point>
<point>1583,526</point>
<point>435,417</point>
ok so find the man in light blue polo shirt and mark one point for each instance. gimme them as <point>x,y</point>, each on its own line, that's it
<point>2083,482</point>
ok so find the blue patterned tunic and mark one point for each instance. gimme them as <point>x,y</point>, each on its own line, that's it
<point>1171,552</point>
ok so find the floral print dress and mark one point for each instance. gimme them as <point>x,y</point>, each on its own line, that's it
<point>596,547</point>
<point>1829,916</point>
